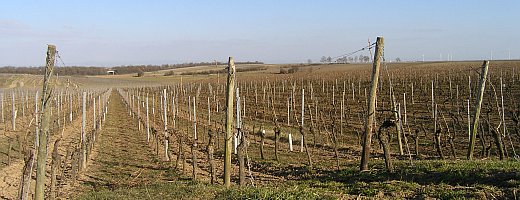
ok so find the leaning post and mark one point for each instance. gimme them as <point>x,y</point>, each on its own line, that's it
<point>476,113</point>
<point>229,120</point>
<point>369,121</point>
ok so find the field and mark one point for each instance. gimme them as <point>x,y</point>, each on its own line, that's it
<point>138,147</point>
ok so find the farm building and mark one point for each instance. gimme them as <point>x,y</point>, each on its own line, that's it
<point>111,72</point>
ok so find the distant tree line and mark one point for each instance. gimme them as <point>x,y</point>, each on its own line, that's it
<point>92,70</point>
<point>217,71</point>
<point>345,59</point>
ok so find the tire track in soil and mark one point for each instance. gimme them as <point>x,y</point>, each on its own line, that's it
<point>121,158</point>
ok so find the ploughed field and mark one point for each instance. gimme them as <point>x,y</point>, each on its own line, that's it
<point>132,154</point>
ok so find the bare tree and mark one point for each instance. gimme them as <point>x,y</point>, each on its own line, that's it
<point>323,59</point>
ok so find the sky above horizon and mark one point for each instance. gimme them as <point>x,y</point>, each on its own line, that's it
<point>128,32</point>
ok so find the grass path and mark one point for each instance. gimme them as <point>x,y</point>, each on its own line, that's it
<point>121,157</point>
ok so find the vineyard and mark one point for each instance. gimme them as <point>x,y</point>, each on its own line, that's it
<point>294,135</point>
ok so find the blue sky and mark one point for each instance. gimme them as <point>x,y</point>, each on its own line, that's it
<point>118,32</point>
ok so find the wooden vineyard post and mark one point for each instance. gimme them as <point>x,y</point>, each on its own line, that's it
<point>209,114</point>
<point>13,113</point>
<point>303,109</point>
<point>413,102</point>
<point>194,147</point>
<point>288,125</point>
<point>83,156</point>
<point>105,105</point>
<point>369,121</point>
<point>36,117</point>
<point>229,120</point>
<point>342,107</point>
<point>147,121</point>
<point>277,131</point>
<point>469,121</point>
<point>238,118</point>
<point>404,105</point>
<point>2,105</point>
<point>139,112</point>
<point>23,106</point>
<point>44,124</point>
<point>99,117</point>
<point>476,114</point>
<point>194,120</point>
<point>166,135</point>
<point>240,136</point>
<point>398,120</point>
<point>174,112</point>
<point>56,160</point>
<point>94,116</point>
<point>70,104</point>
<point>210,150</point>
<point>503,117</point>
<point>242,151</point>
<point>235,136</point>
<point>433,103</point>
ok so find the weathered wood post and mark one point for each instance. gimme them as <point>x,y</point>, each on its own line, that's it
<point>56,161</point>
<point>242,159</point>
<point>100,113</point>
<point>341,113</point>
<point>147,121</point>
<point>476,114</point>
<point>236,136</point>
<point>469,120</point>
<point>397,119</point>
<point>139,112</point>
<point>194,147</point>
<point>229,121</point>
<point>210,150</point>
<point>165,117</point>
<point>2,105</point>
<point>13,115</point>
<point>44,124</point>
<point>70,107</point>
<point>289,135</point>
<point>369,121</point>
<point>83,156</point>
<point>36,117</point>
<point>94,116</point>
<point>194,120</point>
<point>303,117</point>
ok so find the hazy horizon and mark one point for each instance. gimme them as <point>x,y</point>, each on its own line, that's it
<point>99,33</point>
